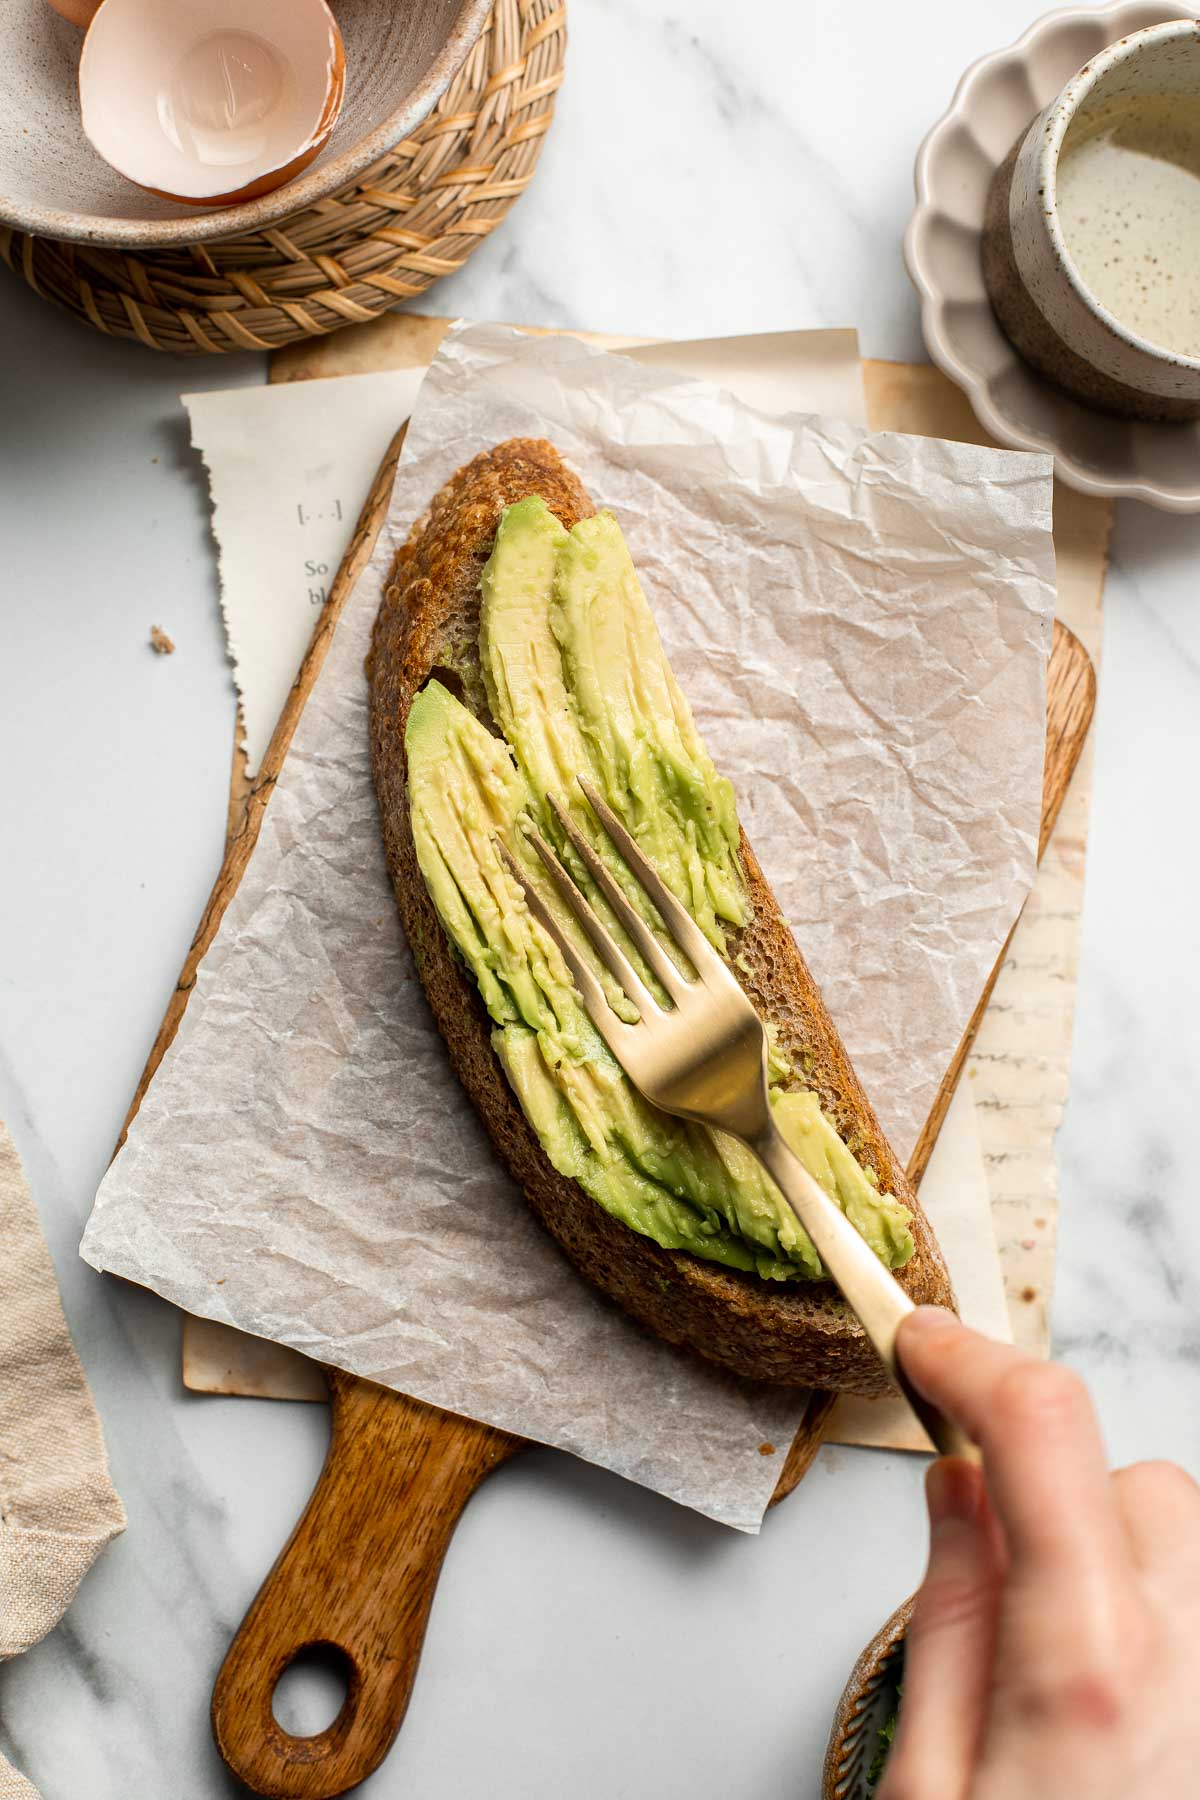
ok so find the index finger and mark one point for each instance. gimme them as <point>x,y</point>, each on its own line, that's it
<point>1043,1455</point>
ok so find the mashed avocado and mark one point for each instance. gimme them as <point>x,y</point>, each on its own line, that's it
<point>578,683</point>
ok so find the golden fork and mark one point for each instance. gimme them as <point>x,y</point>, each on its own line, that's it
<point>705,1058</point>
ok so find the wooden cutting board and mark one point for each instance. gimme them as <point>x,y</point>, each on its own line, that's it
<point>359,1571</point>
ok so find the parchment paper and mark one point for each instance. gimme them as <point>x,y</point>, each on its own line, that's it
<point>288,466</point>
<point>862,624</point>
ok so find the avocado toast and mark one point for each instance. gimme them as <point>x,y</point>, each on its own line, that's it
<point>513,650</point>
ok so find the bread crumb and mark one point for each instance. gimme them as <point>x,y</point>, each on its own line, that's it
<point>1029,1295</point>
<point>160,642</point>
<point>766,1449</point>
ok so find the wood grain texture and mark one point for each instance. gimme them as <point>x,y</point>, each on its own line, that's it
<point>1070,703</point>
<point>810,1435</point>
<point>358,1574</point>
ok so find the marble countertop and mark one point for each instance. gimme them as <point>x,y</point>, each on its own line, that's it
<point>587,1637</point>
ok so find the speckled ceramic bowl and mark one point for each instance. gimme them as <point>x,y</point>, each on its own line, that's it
<point>1040,298</point>
<point>401,55</point>
<point>956,165</point>
<point>867,1703</point>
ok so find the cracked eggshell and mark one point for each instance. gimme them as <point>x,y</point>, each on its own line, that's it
<point>214,102</point>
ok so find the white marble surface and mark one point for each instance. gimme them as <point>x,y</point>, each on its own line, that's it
<point>712,170</point>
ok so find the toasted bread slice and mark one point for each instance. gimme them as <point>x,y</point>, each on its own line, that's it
<point>799,1334</point>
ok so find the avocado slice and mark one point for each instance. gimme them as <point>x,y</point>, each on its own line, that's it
<point>578,683</point>
<point>582,687</point>
<point>646,753</point>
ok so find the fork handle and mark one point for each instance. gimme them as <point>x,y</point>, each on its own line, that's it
<point>873,1292</point>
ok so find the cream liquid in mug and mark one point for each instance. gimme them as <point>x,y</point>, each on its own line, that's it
<point>1128,191</point>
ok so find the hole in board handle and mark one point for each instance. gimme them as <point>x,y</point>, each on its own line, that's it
<point>312,1692</point>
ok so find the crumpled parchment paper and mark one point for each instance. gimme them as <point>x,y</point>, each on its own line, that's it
<point>862,623</point>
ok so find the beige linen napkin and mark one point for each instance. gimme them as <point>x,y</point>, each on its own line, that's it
<point>58,1507</point>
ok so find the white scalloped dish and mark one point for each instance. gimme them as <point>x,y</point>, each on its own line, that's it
<point>995,100</point>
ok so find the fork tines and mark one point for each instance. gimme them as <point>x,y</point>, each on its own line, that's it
<point>681,927</point>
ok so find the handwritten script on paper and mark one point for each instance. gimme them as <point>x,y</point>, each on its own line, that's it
<point>288,468</point>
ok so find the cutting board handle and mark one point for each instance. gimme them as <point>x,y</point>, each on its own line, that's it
<point>357,1575</point>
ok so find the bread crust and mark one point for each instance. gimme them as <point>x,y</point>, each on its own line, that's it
<point>796,1334</point>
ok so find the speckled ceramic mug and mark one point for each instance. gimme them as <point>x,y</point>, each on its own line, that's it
<point>1038,295</point>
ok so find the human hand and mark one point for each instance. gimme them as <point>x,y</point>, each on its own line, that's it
<point>1054,1649</point>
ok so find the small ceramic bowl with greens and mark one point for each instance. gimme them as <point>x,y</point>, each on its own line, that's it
<point>866,1716</point>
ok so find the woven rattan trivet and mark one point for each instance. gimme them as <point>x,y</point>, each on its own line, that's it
<point>413,216</point>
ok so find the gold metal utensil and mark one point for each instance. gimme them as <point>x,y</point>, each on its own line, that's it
<point>704,1057</point>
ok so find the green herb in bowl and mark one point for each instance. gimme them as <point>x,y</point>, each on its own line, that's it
<point>885,1735</point>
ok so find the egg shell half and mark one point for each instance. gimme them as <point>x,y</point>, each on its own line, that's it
<point>163,125</point>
